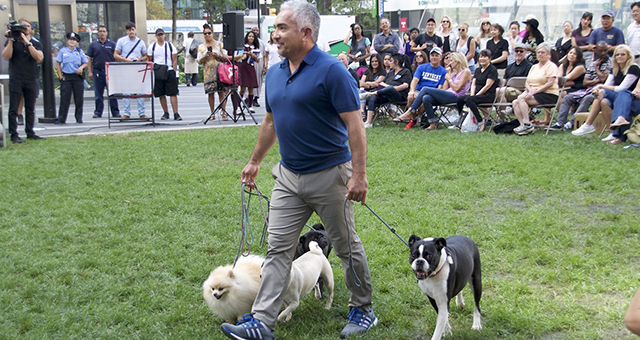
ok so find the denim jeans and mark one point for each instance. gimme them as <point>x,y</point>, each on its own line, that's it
<point>126,102</point>
<point>430,97</point>
<point>625,105</point>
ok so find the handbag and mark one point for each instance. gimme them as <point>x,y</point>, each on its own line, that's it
<point>160,71</point>
<point>226,73</point>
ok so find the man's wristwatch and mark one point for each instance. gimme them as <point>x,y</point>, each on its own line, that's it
<point>29,44</point>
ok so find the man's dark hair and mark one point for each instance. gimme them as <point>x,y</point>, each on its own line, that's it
<point>637,3</point>
<point>190,35</point>
<point>413,29</point>
<point>130,25</point>
<point>102,26</point>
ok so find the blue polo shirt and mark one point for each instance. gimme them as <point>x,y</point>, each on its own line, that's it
<point>101,53</point>
<point>306,107</point>
<point>70,60</point>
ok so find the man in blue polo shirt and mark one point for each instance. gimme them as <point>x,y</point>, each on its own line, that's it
<point>100,52</point>
<point>314,112</point>
<point>608,33</point>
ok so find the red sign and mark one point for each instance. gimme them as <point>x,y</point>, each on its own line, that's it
<point>403,24</point>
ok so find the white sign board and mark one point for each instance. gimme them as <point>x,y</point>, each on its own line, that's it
<point>132,79</point>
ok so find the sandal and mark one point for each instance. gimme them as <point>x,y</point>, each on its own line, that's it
<point>620,122</point>
<point>615,141</point>
<point>224,116</point>
<point>213,117</point>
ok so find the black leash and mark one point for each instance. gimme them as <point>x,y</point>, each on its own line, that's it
<point>385,223</point>
<point>356,280</point>
<point>246,233</point>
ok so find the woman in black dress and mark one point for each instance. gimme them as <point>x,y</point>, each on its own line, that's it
<point>248,77</point>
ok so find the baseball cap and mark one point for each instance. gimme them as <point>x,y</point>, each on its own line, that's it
<point>436,50</point>
<point>159,30</point>
<point>608,13</point>
<point>431,20</point>
<point>520,46</point>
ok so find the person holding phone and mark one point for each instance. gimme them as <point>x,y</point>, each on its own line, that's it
<point>210,55</point>
<point>248,77</point>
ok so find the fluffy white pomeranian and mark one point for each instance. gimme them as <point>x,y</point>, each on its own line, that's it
<point>230,292</point>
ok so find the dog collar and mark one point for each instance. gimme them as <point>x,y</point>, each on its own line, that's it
<point>448,260</point>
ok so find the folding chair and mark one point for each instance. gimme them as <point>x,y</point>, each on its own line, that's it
<point>389,110</point>
<point>444,110</point>
<point>554,107</point>
<point>517,83</point>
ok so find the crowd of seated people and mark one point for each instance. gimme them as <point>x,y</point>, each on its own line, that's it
<point>595,66</point>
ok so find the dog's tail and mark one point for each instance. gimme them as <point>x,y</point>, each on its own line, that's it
<point>315,248</point>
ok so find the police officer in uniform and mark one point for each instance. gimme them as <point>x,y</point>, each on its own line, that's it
<point>100,52</point>
<point>23,56</point>
<point>71,62</point>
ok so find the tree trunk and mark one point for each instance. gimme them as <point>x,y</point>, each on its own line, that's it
<point>174,5</point>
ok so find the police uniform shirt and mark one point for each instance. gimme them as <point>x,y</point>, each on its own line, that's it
<point>125,45</point>
<point>70,60</point>
<point>100,53</point>
<point>22,66</point>
<point>162,53</point>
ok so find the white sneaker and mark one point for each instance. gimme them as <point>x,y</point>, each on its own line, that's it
<point>368,125</point>
<point>608,138</point>
<point>584,129</point>
<point>365,95</point>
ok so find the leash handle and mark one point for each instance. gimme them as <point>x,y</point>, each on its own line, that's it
<point>246,232</point>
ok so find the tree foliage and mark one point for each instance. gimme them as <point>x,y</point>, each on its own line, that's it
<point>156,10</point>
<point>217,7</point>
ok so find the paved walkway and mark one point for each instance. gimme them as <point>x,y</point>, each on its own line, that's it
<point>192,106</point>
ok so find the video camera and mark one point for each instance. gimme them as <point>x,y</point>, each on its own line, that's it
<point>16,30</point>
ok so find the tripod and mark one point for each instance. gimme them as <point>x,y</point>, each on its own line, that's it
<point>235,96</point>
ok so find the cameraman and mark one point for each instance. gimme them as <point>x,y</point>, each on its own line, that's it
<point>23,55</point>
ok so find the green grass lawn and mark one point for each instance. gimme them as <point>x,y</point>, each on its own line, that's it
<point>111,237</point>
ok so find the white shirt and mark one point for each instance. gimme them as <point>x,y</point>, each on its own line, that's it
<point>160,52</point>
<point>633,38</point>
<point>274,57</point>
<point>187,43</point>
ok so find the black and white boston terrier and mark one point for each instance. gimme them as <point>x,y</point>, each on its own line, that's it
<point>443,268</point>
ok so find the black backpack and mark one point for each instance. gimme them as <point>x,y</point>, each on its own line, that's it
<point>475,56</point>
<point>193,49</point>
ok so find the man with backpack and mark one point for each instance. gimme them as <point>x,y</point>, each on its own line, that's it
<point>165,61</point>
<point>190,47</point>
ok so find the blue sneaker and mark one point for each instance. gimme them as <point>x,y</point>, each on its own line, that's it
<point>359,322</point>
<point>247,328</point>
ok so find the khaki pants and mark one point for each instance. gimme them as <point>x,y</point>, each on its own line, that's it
<point>295,197</point>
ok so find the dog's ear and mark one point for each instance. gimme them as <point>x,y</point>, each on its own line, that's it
<point>318,226</point>
<point>413,239</point>
<point>440,243</point>
<point>302,239</point>
<point>231,276</point>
